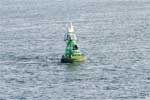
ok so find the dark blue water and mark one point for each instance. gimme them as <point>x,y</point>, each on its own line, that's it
<point>114,35</point>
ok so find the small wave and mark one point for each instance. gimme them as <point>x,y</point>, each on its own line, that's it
<point>146,98</point>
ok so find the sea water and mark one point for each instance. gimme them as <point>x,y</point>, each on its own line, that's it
<point>113,34</point>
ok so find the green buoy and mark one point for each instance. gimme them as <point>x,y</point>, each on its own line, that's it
<point>72,52</point>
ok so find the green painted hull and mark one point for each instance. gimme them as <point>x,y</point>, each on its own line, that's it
<point>78,58</point>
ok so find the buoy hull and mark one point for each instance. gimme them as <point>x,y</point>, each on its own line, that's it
<point>79,58</point>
